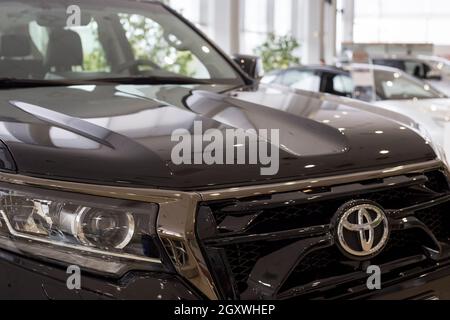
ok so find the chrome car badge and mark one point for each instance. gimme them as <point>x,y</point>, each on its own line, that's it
<point>361,228</point>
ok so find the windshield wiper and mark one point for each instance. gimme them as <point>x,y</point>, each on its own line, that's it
<point>152,80</point>
<point>13,83</point>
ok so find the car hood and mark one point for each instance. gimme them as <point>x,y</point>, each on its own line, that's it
<point>438,108</point>
<point>431,115</point>
<point>121,135</point>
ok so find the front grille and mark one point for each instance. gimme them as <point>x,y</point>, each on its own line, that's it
<point>270,245</point>
<point>437,219</point>
<point>242,258</point>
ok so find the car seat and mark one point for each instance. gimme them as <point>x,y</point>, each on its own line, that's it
<point>16,60</point>
<point>64,52</point>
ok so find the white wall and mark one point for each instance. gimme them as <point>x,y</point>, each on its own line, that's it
<point>241,25</point>
<point>410,21</point>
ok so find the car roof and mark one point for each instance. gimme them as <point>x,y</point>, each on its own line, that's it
<point>398,58</point>
<point>345,69</point>
<point>313,67</point>
<point>372,67</point>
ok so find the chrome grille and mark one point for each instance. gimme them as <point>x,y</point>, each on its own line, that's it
<point>289,235</point>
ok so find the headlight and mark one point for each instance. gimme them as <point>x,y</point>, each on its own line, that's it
<point>102,234</point>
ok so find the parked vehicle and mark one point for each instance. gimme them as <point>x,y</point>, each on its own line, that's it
<point>431,69</point>
<point>408,100</point>
<point>88,181</point>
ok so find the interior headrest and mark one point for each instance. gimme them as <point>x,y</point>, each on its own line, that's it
<point>14,45</point>
<point>64,50</point>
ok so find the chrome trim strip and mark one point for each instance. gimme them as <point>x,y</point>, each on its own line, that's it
<point>137,194</point>
<point>245,192</point>
<point>173,224</point>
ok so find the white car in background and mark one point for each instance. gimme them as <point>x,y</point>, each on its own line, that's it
<point>432,69</point>
<point>390,92</point>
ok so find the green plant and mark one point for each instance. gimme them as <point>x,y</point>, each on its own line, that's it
<point>95,59</point>
<point>148,42</point>
<point>277,52</point>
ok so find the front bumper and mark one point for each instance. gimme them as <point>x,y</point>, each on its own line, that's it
<point>434,285</point>
<point>25,279</point>
<point>22,279</point>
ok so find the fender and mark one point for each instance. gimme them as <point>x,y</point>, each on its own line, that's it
<point>7,162</point>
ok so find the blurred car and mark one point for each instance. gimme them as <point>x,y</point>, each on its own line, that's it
<point>431,69</point>
<point>406,99</point>
<point>317,78</point>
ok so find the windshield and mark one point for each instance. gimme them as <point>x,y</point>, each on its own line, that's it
<point>103,39</point>
<point>398,86</point>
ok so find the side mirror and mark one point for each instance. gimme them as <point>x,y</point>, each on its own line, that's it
<point>251,65</point>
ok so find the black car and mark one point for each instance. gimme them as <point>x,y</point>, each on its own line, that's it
<point>90,97</point>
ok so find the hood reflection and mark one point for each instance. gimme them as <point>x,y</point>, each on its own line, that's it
<point>122,134</point>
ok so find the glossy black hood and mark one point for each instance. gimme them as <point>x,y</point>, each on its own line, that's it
<point>121,135</point>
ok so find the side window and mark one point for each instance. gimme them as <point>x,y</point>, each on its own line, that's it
<point>416,69</point>
<point>303,80</point>
<point>343,85</point>
<point>271,78</point>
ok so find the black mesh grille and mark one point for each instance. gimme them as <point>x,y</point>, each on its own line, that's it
<point>290,217</point>
<point>437,181</point>
<point>329,262</point>
<point>242,259</point>
<point>437,219</point>
<point>321,264</point>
